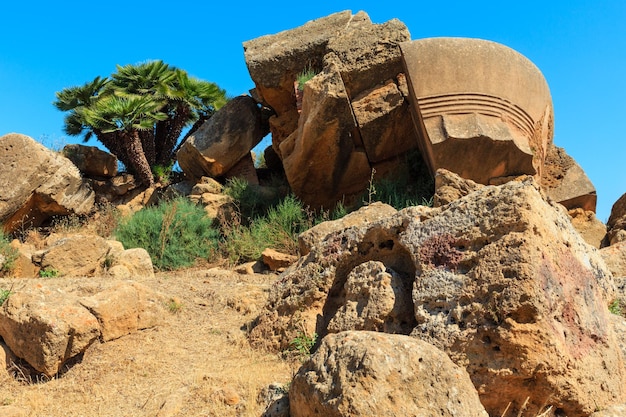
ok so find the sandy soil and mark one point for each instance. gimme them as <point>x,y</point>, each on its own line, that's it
<point>197,363</point>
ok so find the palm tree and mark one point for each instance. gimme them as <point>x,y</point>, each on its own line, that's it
<point>139,112</point>
<point>124,118</point>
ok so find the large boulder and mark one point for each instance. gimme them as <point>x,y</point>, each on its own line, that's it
<point>38,183</point>
<point>223,140</point>
<point>47,323</point>
<point>501,281</point>
<point>321,160</point>
<point>375,374</point>
<point>91,161</point>
<point>73,255</point>
<point>478,99</point>
<point>274,61</point>
<point>354,112</point>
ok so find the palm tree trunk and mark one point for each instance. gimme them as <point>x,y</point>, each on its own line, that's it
<point>136,159</point>
<point>174,128</point>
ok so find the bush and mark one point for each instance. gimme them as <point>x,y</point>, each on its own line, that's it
<point>175,234</point>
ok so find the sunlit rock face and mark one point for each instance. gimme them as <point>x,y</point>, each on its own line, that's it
<point>482,110</point>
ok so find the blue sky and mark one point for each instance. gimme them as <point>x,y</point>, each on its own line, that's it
<point>580,46</point>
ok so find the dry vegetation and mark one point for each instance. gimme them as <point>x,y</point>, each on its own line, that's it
<point>197,363</point>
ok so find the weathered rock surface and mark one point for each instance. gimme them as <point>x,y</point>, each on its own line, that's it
<point>376,374</point>
<point>75,255</point>
<point>449,187</point>
<point>566,182</point>
<point>354,112</point>
<point>613,411</point>
<point>37,183</point>
<point>129,263</point>
<point>615,258</point>
<point>587,224</point>
<point>274,61</point>
<point>325,136</point>
<point>481,100</point>
<point>501,281</point>
<point>223,140</point>
<point>91,161</point>
<point>617,222</point>
<point>47,323</point>
<point>276,261</point>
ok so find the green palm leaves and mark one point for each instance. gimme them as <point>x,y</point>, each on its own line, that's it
<point>138,113</point>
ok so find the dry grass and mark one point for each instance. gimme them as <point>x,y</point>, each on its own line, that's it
<point>197,363</point>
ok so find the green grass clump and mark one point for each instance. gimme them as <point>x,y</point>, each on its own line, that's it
<point>48,272</point>
<point>4,295</point>
<point>175,233</point>
<point>278,229</point>
<point>305,76</point>
<point>8,255</point>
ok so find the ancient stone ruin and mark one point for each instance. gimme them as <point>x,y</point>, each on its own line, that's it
<point>379,100</point>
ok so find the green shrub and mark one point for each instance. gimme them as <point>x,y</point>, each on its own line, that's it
<point>8,255</point>
<point>48,273</point>
<point>4,295</point>
<point>278,229</point>
<point>175,234</point>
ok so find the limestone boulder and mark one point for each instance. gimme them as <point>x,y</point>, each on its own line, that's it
<point>501,281</point>
<point>74,255</point>
<point>122,307</point>
<point>46,327</point>
<point>367,54</point>
<point>376,374</point>
<point>592,230</point>
<point>450,187</point>
<point>616,224</point>
<point>223,140</point>
<point>23,266</point>
<point>383,116</point>
<point>47,323</point>
<point>276,261</point>
<point>322,162</point>
<point>274,61</point>
<point>37,183</point>
<point>130,263</point>
<point>91,161</point>
<point>615,258</point>
<point>377,298</point>
<point>566,182</point>
<point>354,112</point>
<point>481,100</point>
<point>321,232</point>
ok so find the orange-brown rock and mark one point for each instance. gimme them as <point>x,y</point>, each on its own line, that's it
<point>587,224</point>
<point>223,140</point>
<point>384,121</point>
<point>501,281</point>
<point>37,183</point>
<point>566,182</point>
<point>481,109</point>
<point>47,323</point>
<point>617,222</point>
<point>321,161</point>
<point>359,374</point>
<point>274,61</point>
<point>91,161</point>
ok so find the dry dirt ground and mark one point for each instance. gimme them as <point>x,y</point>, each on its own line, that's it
<point>196,363</point>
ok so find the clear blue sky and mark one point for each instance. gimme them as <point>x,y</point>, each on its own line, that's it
<point>580,46</point>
